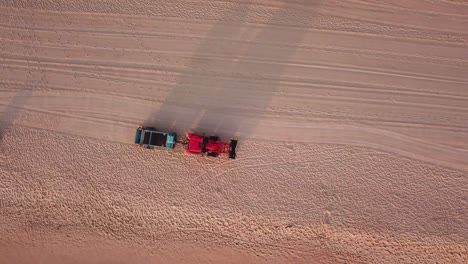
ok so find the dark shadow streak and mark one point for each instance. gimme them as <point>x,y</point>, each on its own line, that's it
<point>11,112</point>
<point>218,103</point>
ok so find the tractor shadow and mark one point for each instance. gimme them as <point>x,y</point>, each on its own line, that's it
<point>228,86</point>
<point>11,111</point>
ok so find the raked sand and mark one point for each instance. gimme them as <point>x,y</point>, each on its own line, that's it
<point>352,120</point>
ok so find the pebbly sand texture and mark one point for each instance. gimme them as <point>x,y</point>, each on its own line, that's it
<point>352,118</point>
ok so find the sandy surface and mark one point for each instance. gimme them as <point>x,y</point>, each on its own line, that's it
<point>352,118</point>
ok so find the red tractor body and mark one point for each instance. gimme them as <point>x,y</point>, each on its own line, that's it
<point>211,146</point>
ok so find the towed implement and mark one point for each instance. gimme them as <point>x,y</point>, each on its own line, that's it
<point>149,137</point>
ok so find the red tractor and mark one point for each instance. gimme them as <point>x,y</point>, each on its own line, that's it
<point>211,146</point>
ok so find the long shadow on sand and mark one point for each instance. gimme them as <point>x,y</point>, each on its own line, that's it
<point>11,112</point>
<point>217,93</point>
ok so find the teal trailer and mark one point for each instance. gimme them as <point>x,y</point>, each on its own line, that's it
<point>149,137</point>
